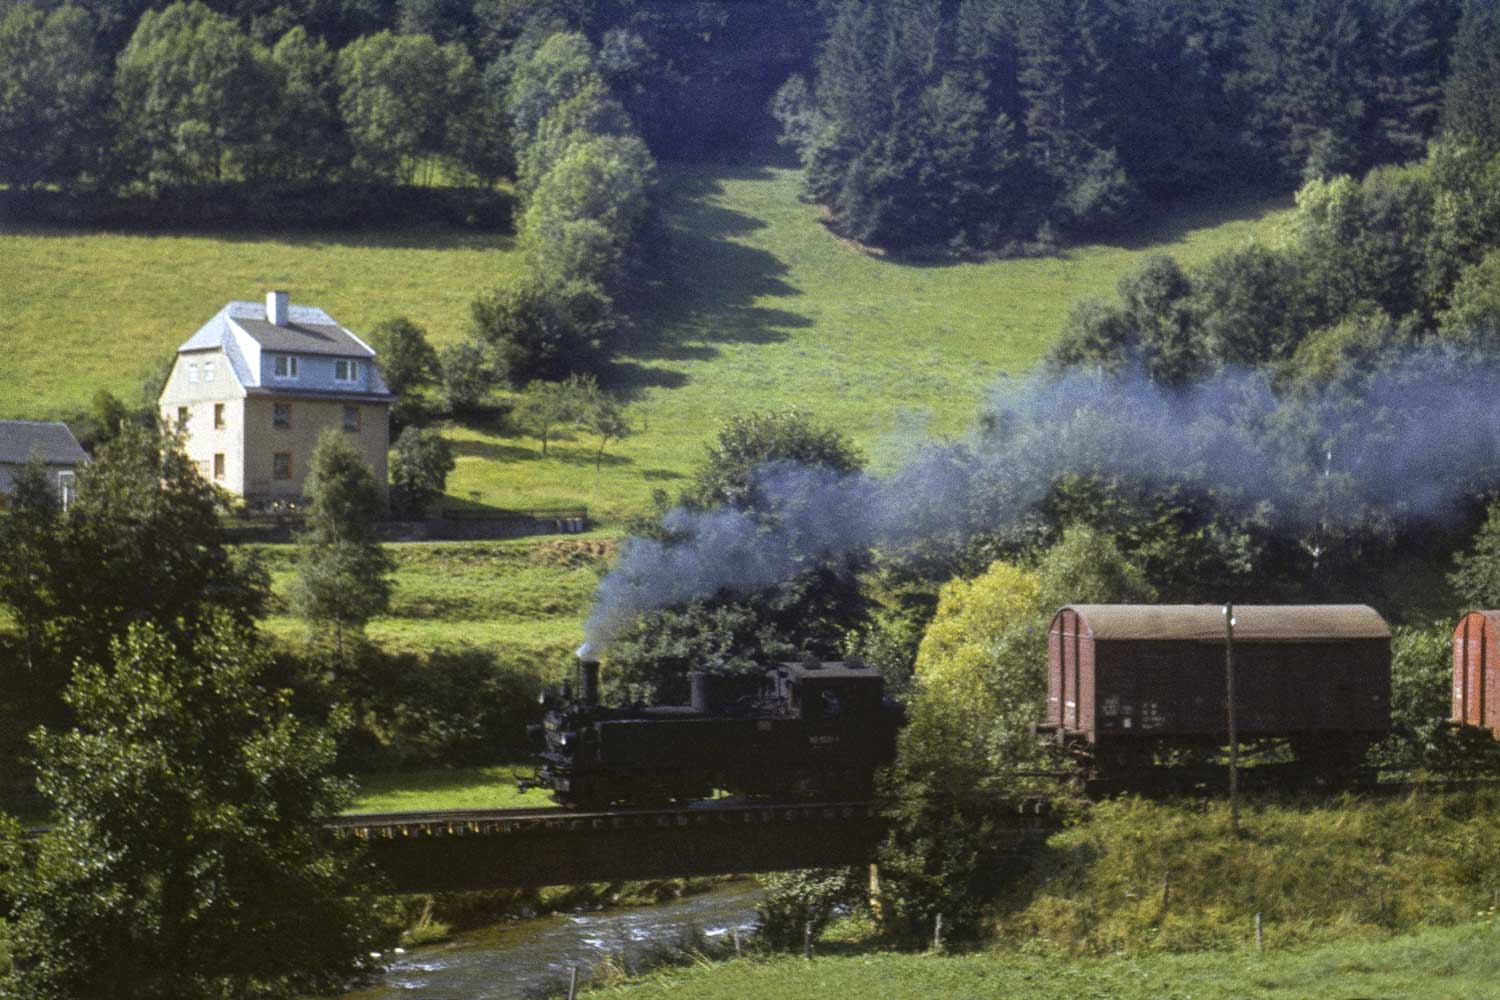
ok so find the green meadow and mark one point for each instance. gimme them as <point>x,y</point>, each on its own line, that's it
<point>1459,963</point>
<point>88,310</point>
<point>523,599</point>
<point>753,305</point>
<point>750,304</point>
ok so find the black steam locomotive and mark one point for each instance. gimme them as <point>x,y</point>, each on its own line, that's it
<point>802,731</point>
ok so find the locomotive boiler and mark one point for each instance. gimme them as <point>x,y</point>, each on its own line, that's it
<point>1131,685</point>
<point>797,732</point>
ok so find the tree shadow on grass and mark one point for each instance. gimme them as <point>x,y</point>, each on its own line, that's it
<point>586,456</point>
<point>706,289</point>
<point>489,451</point>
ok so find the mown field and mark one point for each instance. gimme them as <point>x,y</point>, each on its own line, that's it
<point>750,305</point>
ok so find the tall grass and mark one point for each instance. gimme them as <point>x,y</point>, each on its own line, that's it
<point>1461,963</point>
<point>1139,876</point>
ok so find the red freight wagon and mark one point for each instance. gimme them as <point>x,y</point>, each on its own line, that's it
<point>1476,671</point>
<point>1125,681</point>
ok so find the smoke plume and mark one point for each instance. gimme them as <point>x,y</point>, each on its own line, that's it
<point>1406,442</point>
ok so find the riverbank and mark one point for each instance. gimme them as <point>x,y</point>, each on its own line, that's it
<point>525,958</point>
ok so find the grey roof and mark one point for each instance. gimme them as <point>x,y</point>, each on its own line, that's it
<point>1253,622</point>
<point>309,330</point>
<point>56,444</point>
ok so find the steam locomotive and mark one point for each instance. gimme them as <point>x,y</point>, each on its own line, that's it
<point>800,731</point>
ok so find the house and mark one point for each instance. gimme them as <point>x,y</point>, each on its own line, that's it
<point>254,387</point>
<point>52,442</point>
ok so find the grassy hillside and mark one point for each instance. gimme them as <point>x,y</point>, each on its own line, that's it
<point>751,304</point>
<point>524,599</point>
<point>91,310</point>
<point>754,305</point>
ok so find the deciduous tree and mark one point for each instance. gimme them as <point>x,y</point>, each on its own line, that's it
<point>420,464</point>
<point>142,543</point>
<point>54,91</point>
<point>194,96</point>
<point>343,575</point>
<point>30,545</point>
<point>408,363</point>
<point>185,857</point>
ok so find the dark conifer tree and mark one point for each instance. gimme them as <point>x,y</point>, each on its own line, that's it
<point>1471,99</point>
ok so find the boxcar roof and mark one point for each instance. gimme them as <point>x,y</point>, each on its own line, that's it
<point>1253,622</point>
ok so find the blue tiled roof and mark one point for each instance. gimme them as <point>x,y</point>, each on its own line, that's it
<point>56,444</point>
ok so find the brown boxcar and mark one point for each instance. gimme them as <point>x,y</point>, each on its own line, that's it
<point>1129,680</point>
<point>1476,671</point>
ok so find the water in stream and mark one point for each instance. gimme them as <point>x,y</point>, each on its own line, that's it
<point>524,959</point>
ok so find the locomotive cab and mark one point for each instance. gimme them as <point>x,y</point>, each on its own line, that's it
<point>828,692</point>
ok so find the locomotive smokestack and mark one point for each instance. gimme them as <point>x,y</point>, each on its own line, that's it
<point>588,674</point>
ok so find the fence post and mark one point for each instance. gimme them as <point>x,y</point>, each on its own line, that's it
<point>937,933</point>
<point>736,935</point>
<point>807,940</point>
<point>1166,890</point>
<point>573,983</point>
<point>1258,946</point>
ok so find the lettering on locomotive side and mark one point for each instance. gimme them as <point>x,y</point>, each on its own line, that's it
<point>822,741</point>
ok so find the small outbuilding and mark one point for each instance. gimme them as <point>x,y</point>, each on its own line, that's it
<point>49,441</point>
<point>1136,677</point>
<point>1476,671</point>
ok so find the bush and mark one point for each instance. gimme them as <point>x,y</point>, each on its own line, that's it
<point>979,687</point>
<point>455,707</point>
<point>795,899</point>
<point>467,376</point>
<point>420,464</point>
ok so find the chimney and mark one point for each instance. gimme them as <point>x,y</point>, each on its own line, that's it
<point>276,308</point>
<point>588,675</point>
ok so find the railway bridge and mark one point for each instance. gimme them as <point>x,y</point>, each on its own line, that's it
<point>526,848</point>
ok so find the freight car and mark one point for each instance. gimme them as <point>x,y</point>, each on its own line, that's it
<point>1130,686</point>
<point>800,731</point>
<point>1476,672</point>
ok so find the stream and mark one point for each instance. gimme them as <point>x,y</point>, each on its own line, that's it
<point>531,958</point>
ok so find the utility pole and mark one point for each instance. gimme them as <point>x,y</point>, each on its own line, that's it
<point>1234,735</point>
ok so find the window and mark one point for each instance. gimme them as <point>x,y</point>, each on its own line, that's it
<point>208,371</point>
<point>351,418</point>
<point>193,372</point>
<point>218,465</point>
<point>281,416</point>
<point>65,488</point>
<point>218,416</point>
<point>345,370</point>
<point>281,465</point>
<point>182,416</point>
<point>284,366</point>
